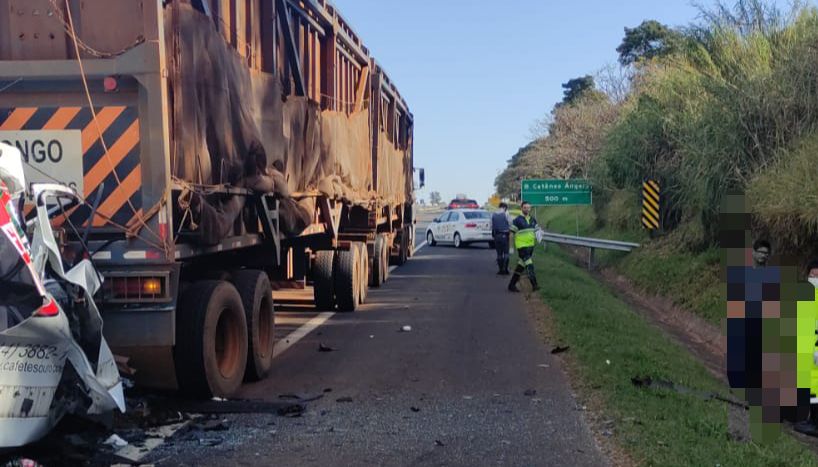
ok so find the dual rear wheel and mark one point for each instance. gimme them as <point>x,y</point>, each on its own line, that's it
<point>225,334</point>
<point>341,277</point>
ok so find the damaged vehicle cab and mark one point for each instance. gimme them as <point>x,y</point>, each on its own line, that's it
<point>53,357</point>
<point>215,156</point>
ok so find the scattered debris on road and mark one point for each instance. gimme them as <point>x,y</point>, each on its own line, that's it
<point>343,400</point>
<point>211,425</point>
<point>115,441</point>
<point>211,442</point>
<point>292,410</point>
<point>530,392</point>
<point>559,350</point>
<point>406,329</point>
<point>229,407</point>
<point>415,409</point>
<point>439,443</point>
<point>325,348</point>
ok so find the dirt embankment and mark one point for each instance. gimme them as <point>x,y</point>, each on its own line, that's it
<point>702,339</point>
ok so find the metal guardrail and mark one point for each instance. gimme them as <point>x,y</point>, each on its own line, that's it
<point>591,243</point>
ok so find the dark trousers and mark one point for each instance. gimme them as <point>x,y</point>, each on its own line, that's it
<point>501,244</point>
<point>525,264</point>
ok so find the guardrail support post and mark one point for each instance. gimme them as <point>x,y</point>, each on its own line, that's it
<point>590,259</point>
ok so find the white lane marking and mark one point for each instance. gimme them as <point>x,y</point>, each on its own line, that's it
<point>286,342</point>
<point>290,340</point>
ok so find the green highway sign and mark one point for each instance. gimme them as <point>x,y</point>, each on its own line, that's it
<point>557,192</point>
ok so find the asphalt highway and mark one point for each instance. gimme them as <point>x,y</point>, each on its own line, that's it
<point>471,383</point>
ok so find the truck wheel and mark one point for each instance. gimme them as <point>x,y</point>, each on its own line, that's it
<point>257,297</point>
<point>347,275</point>
<point>363,279</point>
<point>407,244</point>
<point>403,242</point>
<point>386,255</point>
<point>322,278</point>
<point>376,275</point>
<point>410,252</point>
<point>211,340</point>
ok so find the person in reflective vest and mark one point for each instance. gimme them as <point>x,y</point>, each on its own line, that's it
<point>807,351</point>
<point>524,228</point>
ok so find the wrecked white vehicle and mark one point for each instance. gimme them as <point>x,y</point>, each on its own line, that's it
<point>53,358</point>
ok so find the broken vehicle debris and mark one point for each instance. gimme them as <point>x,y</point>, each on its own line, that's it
<point>53,358</point>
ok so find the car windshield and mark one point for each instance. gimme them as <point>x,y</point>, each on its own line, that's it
<point>477,215</point>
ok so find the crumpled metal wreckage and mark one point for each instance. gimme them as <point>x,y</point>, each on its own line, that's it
<point>53,358</point>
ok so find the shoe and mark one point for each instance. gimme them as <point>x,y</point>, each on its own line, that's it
<point>500,273</point>
<point>535,288</point>
<point>513,288</point>
<point>806,427</point>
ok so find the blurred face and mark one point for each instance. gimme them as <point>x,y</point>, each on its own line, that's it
<point>526,209</point>
<point>813,277</point>
<point>761,256</point>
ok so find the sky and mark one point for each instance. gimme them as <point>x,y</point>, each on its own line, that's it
<point>477,74</point>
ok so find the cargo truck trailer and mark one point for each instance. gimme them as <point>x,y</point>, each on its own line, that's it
<point>223,148</point>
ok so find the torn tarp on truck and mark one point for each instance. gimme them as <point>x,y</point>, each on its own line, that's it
<point>53,358</point>
<point>232,127</point>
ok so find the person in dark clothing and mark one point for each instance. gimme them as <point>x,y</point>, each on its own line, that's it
<point>501,231</point>
<point>746,287</point>
<point>525,239</point>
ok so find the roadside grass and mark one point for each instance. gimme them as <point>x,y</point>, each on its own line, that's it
<point>654,426</point>
<point>692,281</point>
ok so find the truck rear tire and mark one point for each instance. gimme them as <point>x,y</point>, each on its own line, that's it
<point>401,255</point>
<point>211,340</point>
<point>378,276</point>
<point>257,297</point>
<point>363,271</point>
<point>405,245</point>
<point>347,276</point>
<point>410,252</point>
<point>323,282</point>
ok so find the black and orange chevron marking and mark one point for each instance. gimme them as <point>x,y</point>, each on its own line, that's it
<point>119,126</point>
<point>651,196</point>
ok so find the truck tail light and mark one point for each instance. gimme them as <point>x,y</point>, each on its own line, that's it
<point>135,288</point>
<point>48,310</point>
<point>110,84</point>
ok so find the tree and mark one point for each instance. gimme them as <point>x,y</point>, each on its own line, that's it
<point>647,41</point>
<point>576,88</point>
<point>434,198</point>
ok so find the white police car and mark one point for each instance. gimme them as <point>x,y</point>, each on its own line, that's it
<point>461,227</point>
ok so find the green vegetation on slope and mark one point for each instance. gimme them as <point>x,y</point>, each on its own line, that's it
<point>727,104</point>
<point>658,268</point>
<point>654,426</point>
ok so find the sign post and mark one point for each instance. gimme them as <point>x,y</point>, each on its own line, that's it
<point>557,193</point>
<point>651,205</point>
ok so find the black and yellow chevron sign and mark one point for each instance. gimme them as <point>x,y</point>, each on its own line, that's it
<point>651,196</point>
